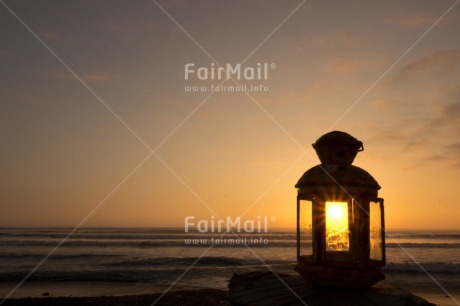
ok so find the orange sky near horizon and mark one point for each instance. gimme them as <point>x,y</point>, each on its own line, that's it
<point>97,126</point>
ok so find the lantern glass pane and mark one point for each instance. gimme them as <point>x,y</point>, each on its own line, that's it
<point>306,228</point>
<point>337,232</point>
<point>375,234</point>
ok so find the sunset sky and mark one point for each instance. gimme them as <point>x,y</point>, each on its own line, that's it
<point>97,129</point>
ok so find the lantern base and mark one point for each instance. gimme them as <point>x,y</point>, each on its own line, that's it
<point>340,276</point>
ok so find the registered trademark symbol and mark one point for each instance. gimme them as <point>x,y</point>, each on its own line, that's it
<point>273,218</point>
<point>272,66</point>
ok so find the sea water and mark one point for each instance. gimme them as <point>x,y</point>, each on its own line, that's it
<point>174,259</point>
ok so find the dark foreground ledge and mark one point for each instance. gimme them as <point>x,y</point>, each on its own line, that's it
<point>212,297</point>
<point>250,288</point>
<point>264,288</point>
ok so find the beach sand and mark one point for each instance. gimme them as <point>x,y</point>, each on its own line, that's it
<point>142,294</point>
<point>433,293</point>
<point>81,289</point>
<point>190,297</point>
<point>438,297</point>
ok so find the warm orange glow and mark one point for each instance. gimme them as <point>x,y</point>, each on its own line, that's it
<point>337,226</point>
<point>336,212</point>
<point>235,153</point>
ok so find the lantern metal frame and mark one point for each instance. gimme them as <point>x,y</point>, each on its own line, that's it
<point>341,182</point>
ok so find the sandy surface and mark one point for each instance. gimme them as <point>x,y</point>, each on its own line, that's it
<point>79,289</point>
<point>191,297</point>
<point>439,298</point>
<point>144,294</point>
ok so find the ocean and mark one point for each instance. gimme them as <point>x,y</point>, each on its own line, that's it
<point>170,258</point>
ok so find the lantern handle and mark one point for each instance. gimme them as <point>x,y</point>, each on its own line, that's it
<point>361,147</point>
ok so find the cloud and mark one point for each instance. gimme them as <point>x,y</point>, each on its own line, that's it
<point>340,38</point>
<point>382,104</point>
<point>411,21</point>
<point>434,63</point>
<point>449,155</point>
<point>419,107</point>
<point>433,139</point>
<point>89,77</point>
<point>449,115</point>
<point>398,137</point>
<point>51,36</point>
<point>99,77</point>
<point>130,27</point>
<point>453,147</point>
<point>342,67</point>
<point>452,152</point>
<point>424,80</point>
<point>347,66</point>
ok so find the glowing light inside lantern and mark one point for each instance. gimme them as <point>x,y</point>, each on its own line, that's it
<point>337,234</point>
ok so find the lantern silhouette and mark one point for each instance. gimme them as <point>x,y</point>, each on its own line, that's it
<point>340,218</point>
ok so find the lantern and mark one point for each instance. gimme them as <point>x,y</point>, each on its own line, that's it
<point>340,219</point>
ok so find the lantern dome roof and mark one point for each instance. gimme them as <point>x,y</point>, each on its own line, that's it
<point>337,147</point>
<point>336,177</point>
<point>338,137</point>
